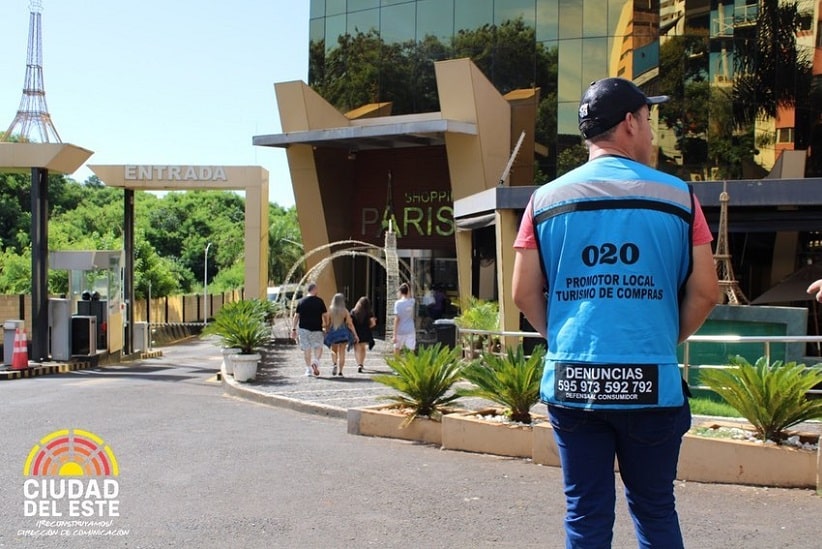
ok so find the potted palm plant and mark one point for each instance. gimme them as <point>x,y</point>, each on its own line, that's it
<point>422,380</point>
<point>241,325</point>
<point>512,381</point>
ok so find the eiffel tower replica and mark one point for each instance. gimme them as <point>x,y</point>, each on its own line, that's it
<point>722,256</point>
<point>32,123</point>
<point>32,142</point>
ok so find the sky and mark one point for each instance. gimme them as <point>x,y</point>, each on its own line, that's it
<point>186,82</point>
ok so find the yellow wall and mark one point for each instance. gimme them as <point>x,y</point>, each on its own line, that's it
<point>475,162</point>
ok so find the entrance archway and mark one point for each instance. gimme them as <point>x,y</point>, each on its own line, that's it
<point>251,179</point>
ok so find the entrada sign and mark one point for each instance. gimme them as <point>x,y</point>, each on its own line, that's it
<point>174,173</point>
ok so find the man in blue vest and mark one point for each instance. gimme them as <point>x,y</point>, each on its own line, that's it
<point>614,268</point>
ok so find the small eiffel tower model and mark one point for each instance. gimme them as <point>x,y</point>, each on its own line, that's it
<point>33,121</point>
<point>722,256</point>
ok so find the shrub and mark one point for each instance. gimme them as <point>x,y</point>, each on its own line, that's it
<point>511,380</point>
<point>241,325</point>
<point>771,397</point>
<point>424,379</point>
<point>479,315</point>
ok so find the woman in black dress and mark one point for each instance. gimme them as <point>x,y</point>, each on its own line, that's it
<point>364,320</point>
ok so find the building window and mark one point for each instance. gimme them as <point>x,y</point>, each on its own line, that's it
<point>784,135</point>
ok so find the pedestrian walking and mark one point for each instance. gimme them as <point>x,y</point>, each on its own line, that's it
<point>405,329</point>
<point>364,322</point>
<point>307,326</point>
<point>340,335</point>
<point>614,268</point>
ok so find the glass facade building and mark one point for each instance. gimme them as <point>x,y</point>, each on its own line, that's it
<point>743,76</point>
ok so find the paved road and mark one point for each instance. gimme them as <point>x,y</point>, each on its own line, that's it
<point>202,469</point>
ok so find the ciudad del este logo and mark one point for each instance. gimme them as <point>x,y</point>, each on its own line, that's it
<point>71,473</point>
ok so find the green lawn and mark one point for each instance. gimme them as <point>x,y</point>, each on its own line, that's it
<point>707,407</point>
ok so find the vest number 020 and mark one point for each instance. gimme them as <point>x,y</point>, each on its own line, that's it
<point>610,254</point>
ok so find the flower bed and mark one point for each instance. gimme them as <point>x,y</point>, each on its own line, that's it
<point>710,454</point>
<point>713,458</point>
<point>488,432</point>
<point>387,420</point>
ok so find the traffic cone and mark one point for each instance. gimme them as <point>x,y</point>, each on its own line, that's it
<point>20,355</point>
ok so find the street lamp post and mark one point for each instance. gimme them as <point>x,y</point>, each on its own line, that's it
<point>205,285</point>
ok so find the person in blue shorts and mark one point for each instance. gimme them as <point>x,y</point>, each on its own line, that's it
<point>614,268</point>
<point>341,334</point>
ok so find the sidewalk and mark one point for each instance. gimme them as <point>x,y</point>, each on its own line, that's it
<point>281,381</point>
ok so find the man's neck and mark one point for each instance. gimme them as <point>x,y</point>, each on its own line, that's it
<point>596,151</point>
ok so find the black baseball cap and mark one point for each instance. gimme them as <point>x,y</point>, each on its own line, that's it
<point>606,102</point>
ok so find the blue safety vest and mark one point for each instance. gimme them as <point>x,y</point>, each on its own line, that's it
<point>615,243</point>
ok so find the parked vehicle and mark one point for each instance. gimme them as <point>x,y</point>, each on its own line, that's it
<point>284,294</point>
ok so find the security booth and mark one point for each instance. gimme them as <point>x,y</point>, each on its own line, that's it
<point>93,307</point>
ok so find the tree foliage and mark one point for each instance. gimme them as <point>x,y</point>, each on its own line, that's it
<point>713,110</point>
<point>284,243</point>
<point>571,158</point>
<point>15,272</point>
<point>15,216</point>
<point>771,69</point>
<point>479,314</point>
<point>362,68</point>
<point>171,233</point>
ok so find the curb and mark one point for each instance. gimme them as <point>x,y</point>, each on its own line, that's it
<point>42,370</point>
<point>37,369</point>
<point>236,389</point>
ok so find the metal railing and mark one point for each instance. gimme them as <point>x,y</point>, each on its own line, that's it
<point>736,339</point>
<point>686,365</point>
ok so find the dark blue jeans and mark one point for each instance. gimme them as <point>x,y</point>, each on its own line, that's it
<point>646,446</point>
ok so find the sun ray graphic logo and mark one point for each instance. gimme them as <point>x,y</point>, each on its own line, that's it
<point>71,453</point>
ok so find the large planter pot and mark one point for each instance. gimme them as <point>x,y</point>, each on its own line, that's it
<point>386,421</point>
<point>244,366</point>
<point>469,432</point>
<point>706,459</point>
<point>227,366</point>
